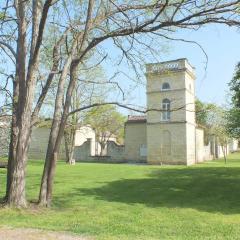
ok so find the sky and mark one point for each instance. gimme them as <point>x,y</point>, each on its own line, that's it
<point>222,46</point>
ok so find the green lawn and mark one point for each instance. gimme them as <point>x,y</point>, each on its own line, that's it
<point>120,201</point>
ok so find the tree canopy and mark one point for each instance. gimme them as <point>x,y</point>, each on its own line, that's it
<point>107,123</point>
<point>233,115</point>
<point>234,87</point>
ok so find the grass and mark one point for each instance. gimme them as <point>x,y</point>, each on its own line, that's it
<point>120,201</point>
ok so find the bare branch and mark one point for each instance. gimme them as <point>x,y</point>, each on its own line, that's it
<point>9,48</point>
<point>130,108</point>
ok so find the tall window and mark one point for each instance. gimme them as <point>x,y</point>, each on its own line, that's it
<point>166,109</point>
<point>165,86</point>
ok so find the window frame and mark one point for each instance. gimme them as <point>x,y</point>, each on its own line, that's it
<point>164,88</point>
<point>166,107</point>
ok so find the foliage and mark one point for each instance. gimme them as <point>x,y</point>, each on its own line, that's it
<point>205,113</point>
<point>234,87</point>
<point>107,122</point>
<point>233,115</point>
<point>201,110</point>
<point>44,123</point>
<point>213,119</point>
<point>85,93</point>
<point>233,124</point>
<point>2,16</point>
<point>216,122</point>
<point>120,201</point>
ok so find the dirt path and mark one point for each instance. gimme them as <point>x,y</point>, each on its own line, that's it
<point>34,234</point>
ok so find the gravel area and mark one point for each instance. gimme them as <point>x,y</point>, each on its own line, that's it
<point>34,234</point>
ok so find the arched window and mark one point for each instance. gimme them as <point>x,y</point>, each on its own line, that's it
<point>165,86</point>
<point>166,106</point>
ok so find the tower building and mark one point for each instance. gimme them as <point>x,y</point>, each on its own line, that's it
<point>171,125</point>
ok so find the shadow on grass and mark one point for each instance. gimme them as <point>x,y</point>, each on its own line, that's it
<point>205,189</point>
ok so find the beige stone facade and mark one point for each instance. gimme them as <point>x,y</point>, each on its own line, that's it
<point>136,140</point>
<point>171,139</point>
<point>169,131</point>
<point>39,143</point>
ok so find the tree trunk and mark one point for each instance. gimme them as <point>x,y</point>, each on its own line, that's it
<point>69,138</point>
<point>103,144</point>
<point>55,138</point>
<point>66,141</point>
<point>224,150</point>
<point>57,129</point>
<point>72,147</point>
<point>15,190</point>
<point>53,135</point>
<point>11,154</point>
<point>23,97</point>
<point>20,139</point>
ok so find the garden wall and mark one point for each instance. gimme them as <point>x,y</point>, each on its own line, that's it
<point>115,153</point>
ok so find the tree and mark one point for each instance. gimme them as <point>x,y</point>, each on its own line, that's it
<point>217,125</point>
<point>215,122</point>
<point>201,110</point>
<point>233,122</point>
<point>106,122</point>
<point>234,86</point>
<point>233,115</point>
<point>85,92</point>
<point>86,28</point>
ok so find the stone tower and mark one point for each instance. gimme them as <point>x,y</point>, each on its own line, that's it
<point>171,132</point>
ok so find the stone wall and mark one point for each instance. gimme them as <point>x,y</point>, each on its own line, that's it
<point>157,145</point>
<point>83,153</point>
<point>219,151</point>
<point>203,152</point>
<point>207,153</point>
<point>191,135</point>
<point>115,153</point>
<point>200,145</point>
<point>4,140</point>
<point>233,145</point>
<point>84,133</point>
<point>135,141</point>
<point>39,143</point>
<point>167,144</point>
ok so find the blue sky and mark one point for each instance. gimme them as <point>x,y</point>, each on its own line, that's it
<point>222,45</point>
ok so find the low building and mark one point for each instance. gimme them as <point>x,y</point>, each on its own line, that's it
<point>167,134</point>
